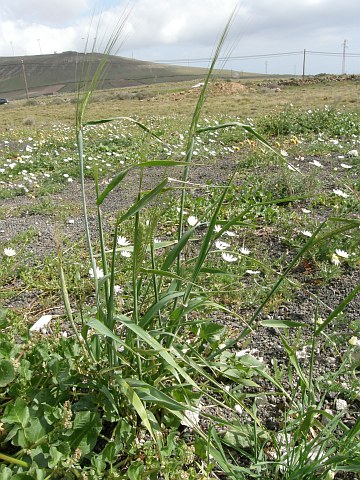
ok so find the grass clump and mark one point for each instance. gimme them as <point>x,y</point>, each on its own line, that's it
<point>146,380</point>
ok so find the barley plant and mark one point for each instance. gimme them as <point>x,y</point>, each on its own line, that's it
<point>150,385</point>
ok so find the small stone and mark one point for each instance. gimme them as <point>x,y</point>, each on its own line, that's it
<point>261,401</point>
<point>340,404</point>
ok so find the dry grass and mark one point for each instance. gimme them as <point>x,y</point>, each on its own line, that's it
<point>179,98</point>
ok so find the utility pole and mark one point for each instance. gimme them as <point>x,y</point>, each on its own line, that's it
<point>304,59</point>
<point>266,65</point>
<point>343,57</point>
<point>25,81</point>
<point>39,46</point>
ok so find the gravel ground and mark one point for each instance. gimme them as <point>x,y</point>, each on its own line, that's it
<point>264,342</point>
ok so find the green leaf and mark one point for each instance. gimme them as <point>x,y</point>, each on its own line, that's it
<point>87,426</point>
<point>22,476</point>
<point>174,252</point>
<point>136,403</point>
<point>148,393</point>
<point>114,182</point>
<point>338,309</point>
<point>161,273</point>
<point>17,413</point>
<point>121,175</point>
<point>143,201</point>
<point>156,308</point>
<point>104,330</point>
<point>282,324</point>
<point>3,315</point>
<point>135,470</point>
<point>36,430</point>
<point>56,457</point>
<point>157,347</point>
<point>7,373</point>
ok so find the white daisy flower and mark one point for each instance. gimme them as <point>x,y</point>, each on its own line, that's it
<point>353,153</point>
<point>9,252</point>
<point>335,259</point>
<point>305,210</point>
<point>217,228</point>
<point>244,251</point>
<point>221,245</point>
<point>99,272</point>
<point>41,323</point>
<point>123,241</point>
<point>341,253</point>
<point>228,257</point>
<point>238,409</point>
<point>192,221</point>
<point>229,233</point>
<point>252,272</point>
<point>190,418</point>
<point>340,193</point>
<point>306,233</point>
<point>178,209</point>
<point>125,253</point>
<point>345,165</point>
<point>354,342</point>
<point>316,163</point>
<point>284,153</point>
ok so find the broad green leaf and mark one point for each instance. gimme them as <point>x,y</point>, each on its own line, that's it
<point>87,426</point>
<point>136,470</point>
<point>17,413</point>
<point>7,372</point>
<point>36,430</point>
<point>22,476</point>
<point>56,457</point>
<point>3,315</point>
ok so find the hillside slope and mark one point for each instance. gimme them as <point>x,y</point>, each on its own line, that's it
<point>49,74</point>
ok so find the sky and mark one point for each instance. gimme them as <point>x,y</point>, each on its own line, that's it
<point>266,36</point>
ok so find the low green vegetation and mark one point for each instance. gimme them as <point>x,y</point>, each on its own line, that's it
<point>146,337</point>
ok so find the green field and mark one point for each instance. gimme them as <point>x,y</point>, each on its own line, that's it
<point>181,301</point>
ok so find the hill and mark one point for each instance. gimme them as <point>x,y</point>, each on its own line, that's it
<point>59,73</point>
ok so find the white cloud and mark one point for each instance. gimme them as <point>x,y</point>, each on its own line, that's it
<point>50,12</point>
<point>176,29</point>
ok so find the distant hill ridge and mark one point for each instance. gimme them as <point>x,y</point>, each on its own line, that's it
<point>60,72</point>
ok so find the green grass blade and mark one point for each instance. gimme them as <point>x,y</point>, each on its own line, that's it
<point>143,201</point>
<point>157,307</point>
<point>121,175</point>
<point>157,347</point>
<point>338,309</point>
<point>137,404</point>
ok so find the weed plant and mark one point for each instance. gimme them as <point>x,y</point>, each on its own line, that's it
<point>149,385</point>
